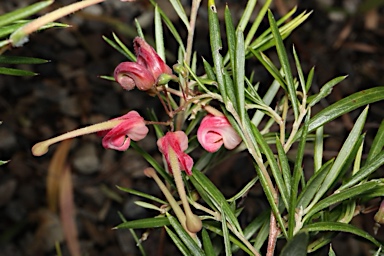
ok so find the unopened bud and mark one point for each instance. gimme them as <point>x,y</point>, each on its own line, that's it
<point>180,69</point>
<point>165,78</point>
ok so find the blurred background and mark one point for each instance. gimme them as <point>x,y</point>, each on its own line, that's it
<point>341,37</point>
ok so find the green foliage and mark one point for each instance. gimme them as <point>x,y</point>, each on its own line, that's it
<point>303,208</point>
<point>306,213</point>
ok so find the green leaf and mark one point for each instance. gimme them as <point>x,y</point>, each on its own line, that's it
<point>267,99</point>
<point>331,251</point>
<point>377,144</point>
<point>365,171</point>
<point>345,105</point>
<point>259,18</point>
<point>277,175</point>
<point>170,26</point>
<point>244,20</point>
<point>139,29</point>
<point>217,197</point>
<point>299,70</point>
<point>148,206</point>
<point>325,90</point>
<point>240,74</point>
<point>7,30</point>
<point>283,57</point>
<point>297,174</point>
<point>297,246</point>
<point>141,194</point>
<point>120,47</point>
<point>159,37</point>
<point>3,162</point>
<point>262,235</point>
<point>179,244</point>
<point>227,244</point>
<point>185,237</point>
<point>309,79</point>
<point>23,12</point>
<point>342,227</point>
<point>284,165</point>
<point>20,60</point>
<point>207,243</point>
<point>313,185</point>
<point>341,196</point>
<point>265,180</point>
<point>215,41</point>
<point>271,68</point>
<point>180,12</point>
<point>145,223</point>
<point>231,37</point>
<point>244,190</point>
<point>213,227</point>
<point>318,150</point>
<point>343,155</point>
<point>16,72</point>
<point>138,242</point>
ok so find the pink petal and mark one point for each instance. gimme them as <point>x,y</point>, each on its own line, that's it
<point>131,74</point>
<point>178,141</point>
<point>214,131</point>
<point>148,57</point>
<point>119,138</point>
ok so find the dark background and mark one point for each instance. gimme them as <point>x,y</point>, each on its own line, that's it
<point>340,37</point>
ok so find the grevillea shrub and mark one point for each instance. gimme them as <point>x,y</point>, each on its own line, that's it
<point>222,112</point>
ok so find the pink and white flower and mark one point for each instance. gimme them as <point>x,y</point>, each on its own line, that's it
<point>117,133</point>
<point>214,131</point>
<point>178,142</point>
<point>119,138</point>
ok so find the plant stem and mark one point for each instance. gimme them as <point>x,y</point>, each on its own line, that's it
<point>191,31</point>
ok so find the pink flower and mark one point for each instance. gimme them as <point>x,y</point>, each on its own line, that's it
<point>178,142</point>
<point>119,138</point>
<point>117,133</point>
<point>145,71</point>
<point>214,131</point>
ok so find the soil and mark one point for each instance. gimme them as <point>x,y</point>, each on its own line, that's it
<point>339,38</point>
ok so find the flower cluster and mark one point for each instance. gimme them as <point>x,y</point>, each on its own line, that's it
<point>214,131</point>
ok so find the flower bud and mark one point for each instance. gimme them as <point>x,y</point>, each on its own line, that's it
<point>180,69</point>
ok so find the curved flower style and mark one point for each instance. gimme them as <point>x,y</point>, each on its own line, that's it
<point>119,138</point>
<point>117,133</point>
<point>178,142</point>
<point>214,131</point>
<point>145,71</point>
